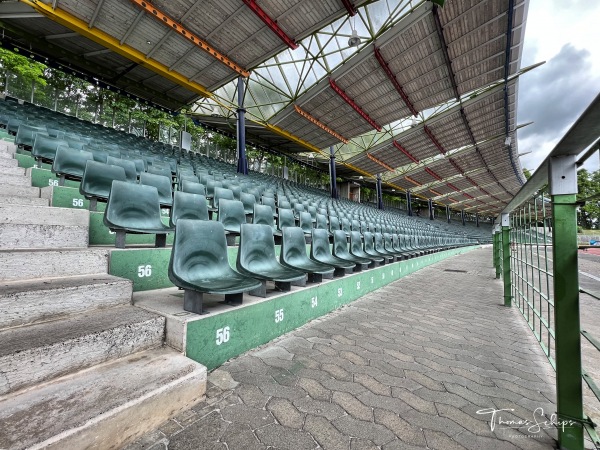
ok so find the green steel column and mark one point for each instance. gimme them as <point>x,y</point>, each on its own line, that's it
<point>506,260</point>
<point>563,190</point>
<point>497,252</point>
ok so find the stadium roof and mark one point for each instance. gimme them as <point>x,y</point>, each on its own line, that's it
<point>428,98</point>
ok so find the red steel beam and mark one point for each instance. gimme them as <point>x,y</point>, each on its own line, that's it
<point>434,140</point>
<point>179,28</point>
<point>406,152</point>
<point>386,68</point>
<point>433,174</point>
<point>320,124</point>
<point>412,181</point>
<point>272,24</point>
<point>380,162</point>
<point>435,192</point>
<point>349,7</point>
<point>351,102</point>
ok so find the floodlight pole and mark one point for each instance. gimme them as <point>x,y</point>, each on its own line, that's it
<point>242,163</point>
<point>332,174</point>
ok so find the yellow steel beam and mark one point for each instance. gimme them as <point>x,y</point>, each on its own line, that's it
<point>172,24</point>
<point>73,23</point>
<point>296,139</point>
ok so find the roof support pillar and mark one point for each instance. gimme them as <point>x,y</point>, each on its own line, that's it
<point>477,220</point>
<point>379,192</point>
<point>332,174</point>
<point>462,216</point>
<point>242,163</point>
<point>448,217</point>
<point>431,210</point>
<point>409,203</point>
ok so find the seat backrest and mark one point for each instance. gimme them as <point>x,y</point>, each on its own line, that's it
<point>188,206</point>
<point>45,147</point>
<point>346,225</point>
<point>248,201</point>
<point>321,222</point>
<point>306,222</point>
<point>263,215</point>
<point>133,206</point>
<point>159,170</point>
<point>284,204</point>
<point>129,166</point>
<point>356,242</point>
<point>334,223</point>
<point>237,192</point>
<point>160,182</point>
<point>70,161</point>
<point>340,243</point>
<point>257,247</point>
<point>75,143</point>
<point>269,201</point>
<point>368,242</point>
<point>199,251</point>
<point>231,214</point>
<point>193,188</point>
<point>26,134</point>
<point>211,185</point>
<point>186,177</point>
<point>221,193</point>
<point>378,242</point>
<point>286,219</point>
<point>99,155</point>
<point>293,246</point>
<point>320,243</point>
<point>98,177</point>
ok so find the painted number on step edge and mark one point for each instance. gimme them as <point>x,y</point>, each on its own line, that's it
<point>357,285</point>
<point>340,292</point>
<point>145,271</point>
<point>372,280</point>
<point>279,316</point>
<point>314,301</point>
<point>382,275</point>
<point>52,182</point>
<point>78,202</point>
<point>222,335</point>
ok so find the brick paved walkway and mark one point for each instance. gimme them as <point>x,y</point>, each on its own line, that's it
<point>406,367</point>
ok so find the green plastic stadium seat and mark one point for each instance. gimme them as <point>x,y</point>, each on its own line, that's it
<point>320,252</point>
<point>188,206</point>
<point>159,170</point>
<point>134,208</point>
<point>97,181</point>
<point>26,135</point>
<point>232,216</point>
<point>269,201</point>
<point>129,166</point>
<point>199,265</point>
<point>248,200</point>
<point>293,255</point>
<point>306,222</point>
<point>286,219</point>
<point>44,148</point>
<point>256,258</point>
<point>69,163</point>
<point>356,248</point>
<point>379,247</point>
<point>163,184</point>
<point>340,250</point>
<point>263,215</point>
<point>193,188</point>
<point>321,222</point>
<point>220,193</point>
<point>334,224</point>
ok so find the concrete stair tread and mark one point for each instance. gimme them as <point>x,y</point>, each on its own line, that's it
<point>17,171</point>
<point>15,340</point>
<point>19,191</point>
<point>23,201</point>
<point>15,180</point>
<point>8,162</point>
<point>24,302</point>
<point>44,215</point>
<point>103,407</point>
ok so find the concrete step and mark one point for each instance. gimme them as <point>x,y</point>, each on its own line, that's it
<point>36,353</point>
<point>42,227</point>
<point>19,191</point>
<point>15,180</point>
<point>44,299</point>
<point>16,171</point>
<point>8,162</point>
<point>23,201</point>
<point>26,264</point>
<point>7,147</point>
<point>104,407</point>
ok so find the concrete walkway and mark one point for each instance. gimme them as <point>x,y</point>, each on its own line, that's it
<point>414,365</point>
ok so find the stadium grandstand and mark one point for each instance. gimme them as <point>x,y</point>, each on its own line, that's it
<point>346,171</point>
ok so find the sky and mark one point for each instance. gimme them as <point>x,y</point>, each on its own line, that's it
<point>565,34</point>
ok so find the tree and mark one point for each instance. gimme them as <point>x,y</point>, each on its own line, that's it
<point>527,173</point>
<point>588,185</point>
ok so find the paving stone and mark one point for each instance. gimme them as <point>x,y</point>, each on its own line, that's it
<point>372,384</point>
<point>319,408</point>
<point>424,380</point>
<point>379,401</point>
<point>252,396</point>
<point>286,413</point>
<point>399,445</point>
<point>354,358</point>
<point>222,379</point>
<point>362,444</point>
<point>170,427</point>
<point>365,430</point>
<point>327,350</point>
<point>352,406</point>
<point>314,389</point>
<point>240,436</point>
<point>204,433</point>
<point>414,400</point>
<point>403,430</point>
<point>337,372</point>
<point>439,441</point>
<point>327,436</point>
<point>277,390</point>
<point>242,414</point>
<point>344,386</point>
<point>284,438</point>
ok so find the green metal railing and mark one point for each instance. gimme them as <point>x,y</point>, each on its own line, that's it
<point>535,253</point>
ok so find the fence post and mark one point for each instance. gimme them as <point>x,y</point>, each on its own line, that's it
<point>569,396</point>
<point>506,259</point>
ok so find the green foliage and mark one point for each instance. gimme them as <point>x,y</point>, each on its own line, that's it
<point>527,173</point>
<point>588,185</point>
